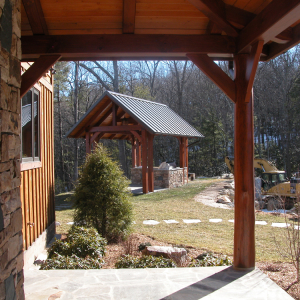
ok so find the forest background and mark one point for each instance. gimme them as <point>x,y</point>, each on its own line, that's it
<point>186,90</point>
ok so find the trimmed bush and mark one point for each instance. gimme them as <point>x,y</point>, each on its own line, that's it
<point>101,197</point>
<point>71,262</point>
<point>83,249</point>
<point>82,242</point>
<point>134,262</point>
<point>210,260</point>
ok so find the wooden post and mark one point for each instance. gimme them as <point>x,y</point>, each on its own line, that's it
<point>244,220</point>
<point>150,163</point>
<point>144,162</point>
<point>133,142</point>
<point>181,156</point>
<point>87,143</point>
<point>187,159</point>
<point>139,154</point>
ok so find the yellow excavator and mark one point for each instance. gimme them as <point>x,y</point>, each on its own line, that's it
<point>273,182</point>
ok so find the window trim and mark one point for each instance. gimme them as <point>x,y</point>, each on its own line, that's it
<point>33,162</point>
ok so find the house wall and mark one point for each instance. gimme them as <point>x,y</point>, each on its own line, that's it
<point>11,253</point>
<point>37,179</point>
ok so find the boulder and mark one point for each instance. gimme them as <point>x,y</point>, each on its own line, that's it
<point>223,199</point>
<point>165,251</point>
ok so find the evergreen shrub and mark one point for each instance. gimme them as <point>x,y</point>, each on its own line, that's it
<point>147,261</point>
<point>84,248</point>
<point>102,197</point>
<point>210,260</point>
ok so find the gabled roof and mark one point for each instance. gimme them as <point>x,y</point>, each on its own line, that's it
<point>155,117</point>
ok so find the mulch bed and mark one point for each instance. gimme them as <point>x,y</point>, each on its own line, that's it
<point>284,274</point>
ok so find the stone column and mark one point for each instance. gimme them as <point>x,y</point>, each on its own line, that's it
<point>11,240</point>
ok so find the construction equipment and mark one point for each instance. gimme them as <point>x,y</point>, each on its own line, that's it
<point>274,183</point>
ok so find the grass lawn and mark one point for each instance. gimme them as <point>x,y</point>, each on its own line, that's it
<point>178,204</point>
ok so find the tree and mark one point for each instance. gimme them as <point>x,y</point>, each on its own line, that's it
<point>102,196</point>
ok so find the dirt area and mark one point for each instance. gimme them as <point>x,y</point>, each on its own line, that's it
<point>210,194</point>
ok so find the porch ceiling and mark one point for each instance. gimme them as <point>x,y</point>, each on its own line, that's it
<point>160,29</point>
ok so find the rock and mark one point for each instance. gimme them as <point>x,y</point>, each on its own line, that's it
<point>223,199</point>
<point>271,205</point>
<point>40,259</point>
<point>57,223</point>
<point>256,205</point>
<point>167,252</point>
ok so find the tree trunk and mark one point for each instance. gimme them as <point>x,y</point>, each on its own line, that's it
<point>75,120</point>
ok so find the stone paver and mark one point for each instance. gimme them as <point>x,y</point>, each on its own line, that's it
<point>261,223</point>
<point>210,283</point>
<point>171,221</point>
<point>188,221</point>
<point>150,222</point>
<point>281,225</point>
<point>215,220</point>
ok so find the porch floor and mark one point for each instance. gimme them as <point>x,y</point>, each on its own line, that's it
<point>139,284</point>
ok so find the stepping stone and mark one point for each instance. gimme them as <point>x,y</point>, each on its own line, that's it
<point>297,227</point>
<point>261,222</point>
<point>70,223</point>
<point>171,221</point>
<point>282,225</point>
<point>150,222</point>
<point>231,221</point>
<point>165,251</point>
<point>188,221</point>
<point>215,220</point>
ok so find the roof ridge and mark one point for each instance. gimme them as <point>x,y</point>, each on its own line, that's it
<point>123,95</point>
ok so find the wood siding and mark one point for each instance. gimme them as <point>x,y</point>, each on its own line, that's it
<point>37,184</point>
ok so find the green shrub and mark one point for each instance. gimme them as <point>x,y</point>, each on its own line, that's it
<point>134,262</point>
<point>210,260</point>
<point>142,246</point>
<point>82,242</point>
<point>71,262</point>
<point>101,197</point>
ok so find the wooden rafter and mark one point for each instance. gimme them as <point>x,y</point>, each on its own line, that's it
<point>113,46</point>
<point>213,28</point>
<point>129,9</point>
<point>35,16</point>
<point>215,73</point>
<point>270,22</point>
<point>215,11</point>
<point>36,71</point>
<point>107,112</point>
<point>275,49</point>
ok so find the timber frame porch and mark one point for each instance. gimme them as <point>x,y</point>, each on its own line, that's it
<point>118,116</point>
<point>242,32</point>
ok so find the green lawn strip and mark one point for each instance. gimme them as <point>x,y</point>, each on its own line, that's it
<point>179,204</point>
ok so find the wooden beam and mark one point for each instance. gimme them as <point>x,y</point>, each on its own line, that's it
<point>100,136</point>
<point>111,45</point>
<point>244,222</point>
<point>136,135</point>
<point>252,63</point>
<point>270,22</point>
<point>150,162</point>
<point>215,73</point>
<point>114,114</point>
<point>215,11</point>
<point>121,128</point>
<point>275,49</point>
<point>35,16</point>
<point>145,162</point>
<point>36,71</point>
<point>129,9</point>
<point>238,15</point>
<point>107,112</point>
<point>112,136</point>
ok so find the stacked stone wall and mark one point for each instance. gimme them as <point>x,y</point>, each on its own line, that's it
<point>11,253</point>
<point>162,178</point>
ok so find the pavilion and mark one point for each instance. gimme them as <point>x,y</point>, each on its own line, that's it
<point>118,116</point>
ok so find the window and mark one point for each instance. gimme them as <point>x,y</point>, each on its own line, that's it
<point>30,151</point>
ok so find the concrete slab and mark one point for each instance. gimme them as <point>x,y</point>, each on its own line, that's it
<point>138,189</point>
<point>209,283</point>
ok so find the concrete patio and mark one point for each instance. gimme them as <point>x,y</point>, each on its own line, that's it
<point>209,283</point>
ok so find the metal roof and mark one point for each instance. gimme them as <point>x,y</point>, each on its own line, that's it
<point>155,117</point>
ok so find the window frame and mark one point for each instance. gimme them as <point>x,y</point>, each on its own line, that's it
<point>33,161</point>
